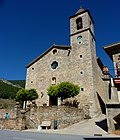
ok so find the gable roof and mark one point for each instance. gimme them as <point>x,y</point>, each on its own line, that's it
<point>80,10</point>
<point>62,47</point>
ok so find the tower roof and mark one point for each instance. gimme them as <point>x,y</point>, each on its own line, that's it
<point>80,10</point>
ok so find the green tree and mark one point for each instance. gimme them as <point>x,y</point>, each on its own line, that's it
<point>53,90</point>
<point>24,95</point>
<point>32,95</point>
<point>64,90</point>
<point>21,96</point>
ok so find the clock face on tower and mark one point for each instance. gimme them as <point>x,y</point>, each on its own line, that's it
<point>79,40</point>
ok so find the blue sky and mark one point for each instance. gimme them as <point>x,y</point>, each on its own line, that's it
<point>29,27</point>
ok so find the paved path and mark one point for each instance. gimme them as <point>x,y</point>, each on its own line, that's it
<point>86,127</point>
<point>18,135</point>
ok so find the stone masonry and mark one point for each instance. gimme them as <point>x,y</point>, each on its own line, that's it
<point>33,116</point>
<point>76,63</point>
<point>16,121</point>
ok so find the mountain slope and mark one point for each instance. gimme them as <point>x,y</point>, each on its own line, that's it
<point>18,83</point>
<point>7,89</point>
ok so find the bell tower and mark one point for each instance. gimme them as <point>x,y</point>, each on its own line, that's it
<point>82,41</point>
<point>81,23</point>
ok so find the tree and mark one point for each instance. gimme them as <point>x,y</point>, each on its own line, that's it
<point>21,96</point>
<point>64,90</point>
<point>53,90</point>
<point>32,94</point>
<point>24,95</point>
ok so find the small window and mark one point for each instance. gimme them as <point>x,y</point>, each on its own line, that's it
<point>81,56</point>
<point>54,65</point>
<point>54,80</point>
<point>69,52</point>
<point>54,51</point>
<point>81,72</point>
<point>33,68</point>
<point>79,23</point>
<point>82,89</point>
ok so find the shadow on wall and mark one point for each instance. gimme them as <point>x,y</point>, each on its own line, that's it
<point>102,104</point>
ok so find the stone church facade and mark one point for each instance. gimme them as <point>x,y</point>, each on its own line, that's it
<point>76,63</point>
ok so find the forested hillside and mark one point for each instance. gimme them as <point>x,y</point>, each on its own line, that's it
<point>7,89</point>
<point>18,82</point>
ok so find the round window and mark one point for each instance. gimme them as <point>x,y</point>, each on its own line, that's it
<point>54,65</point>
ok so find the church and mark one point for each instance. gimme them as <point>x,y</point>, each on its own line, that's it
<point>76,63</point>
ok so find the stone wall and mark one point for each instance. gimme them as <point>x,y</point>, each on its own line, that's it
<point>64,115</point>
<point>34,116</point>
<point>16,121</point>
<point>40,74</point>
<point>11,112</point>
<point>14,124</point>
<point>113,116</point>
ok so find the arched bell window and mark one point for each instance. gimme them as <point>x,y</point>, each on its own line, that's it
<point>79,23</point>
